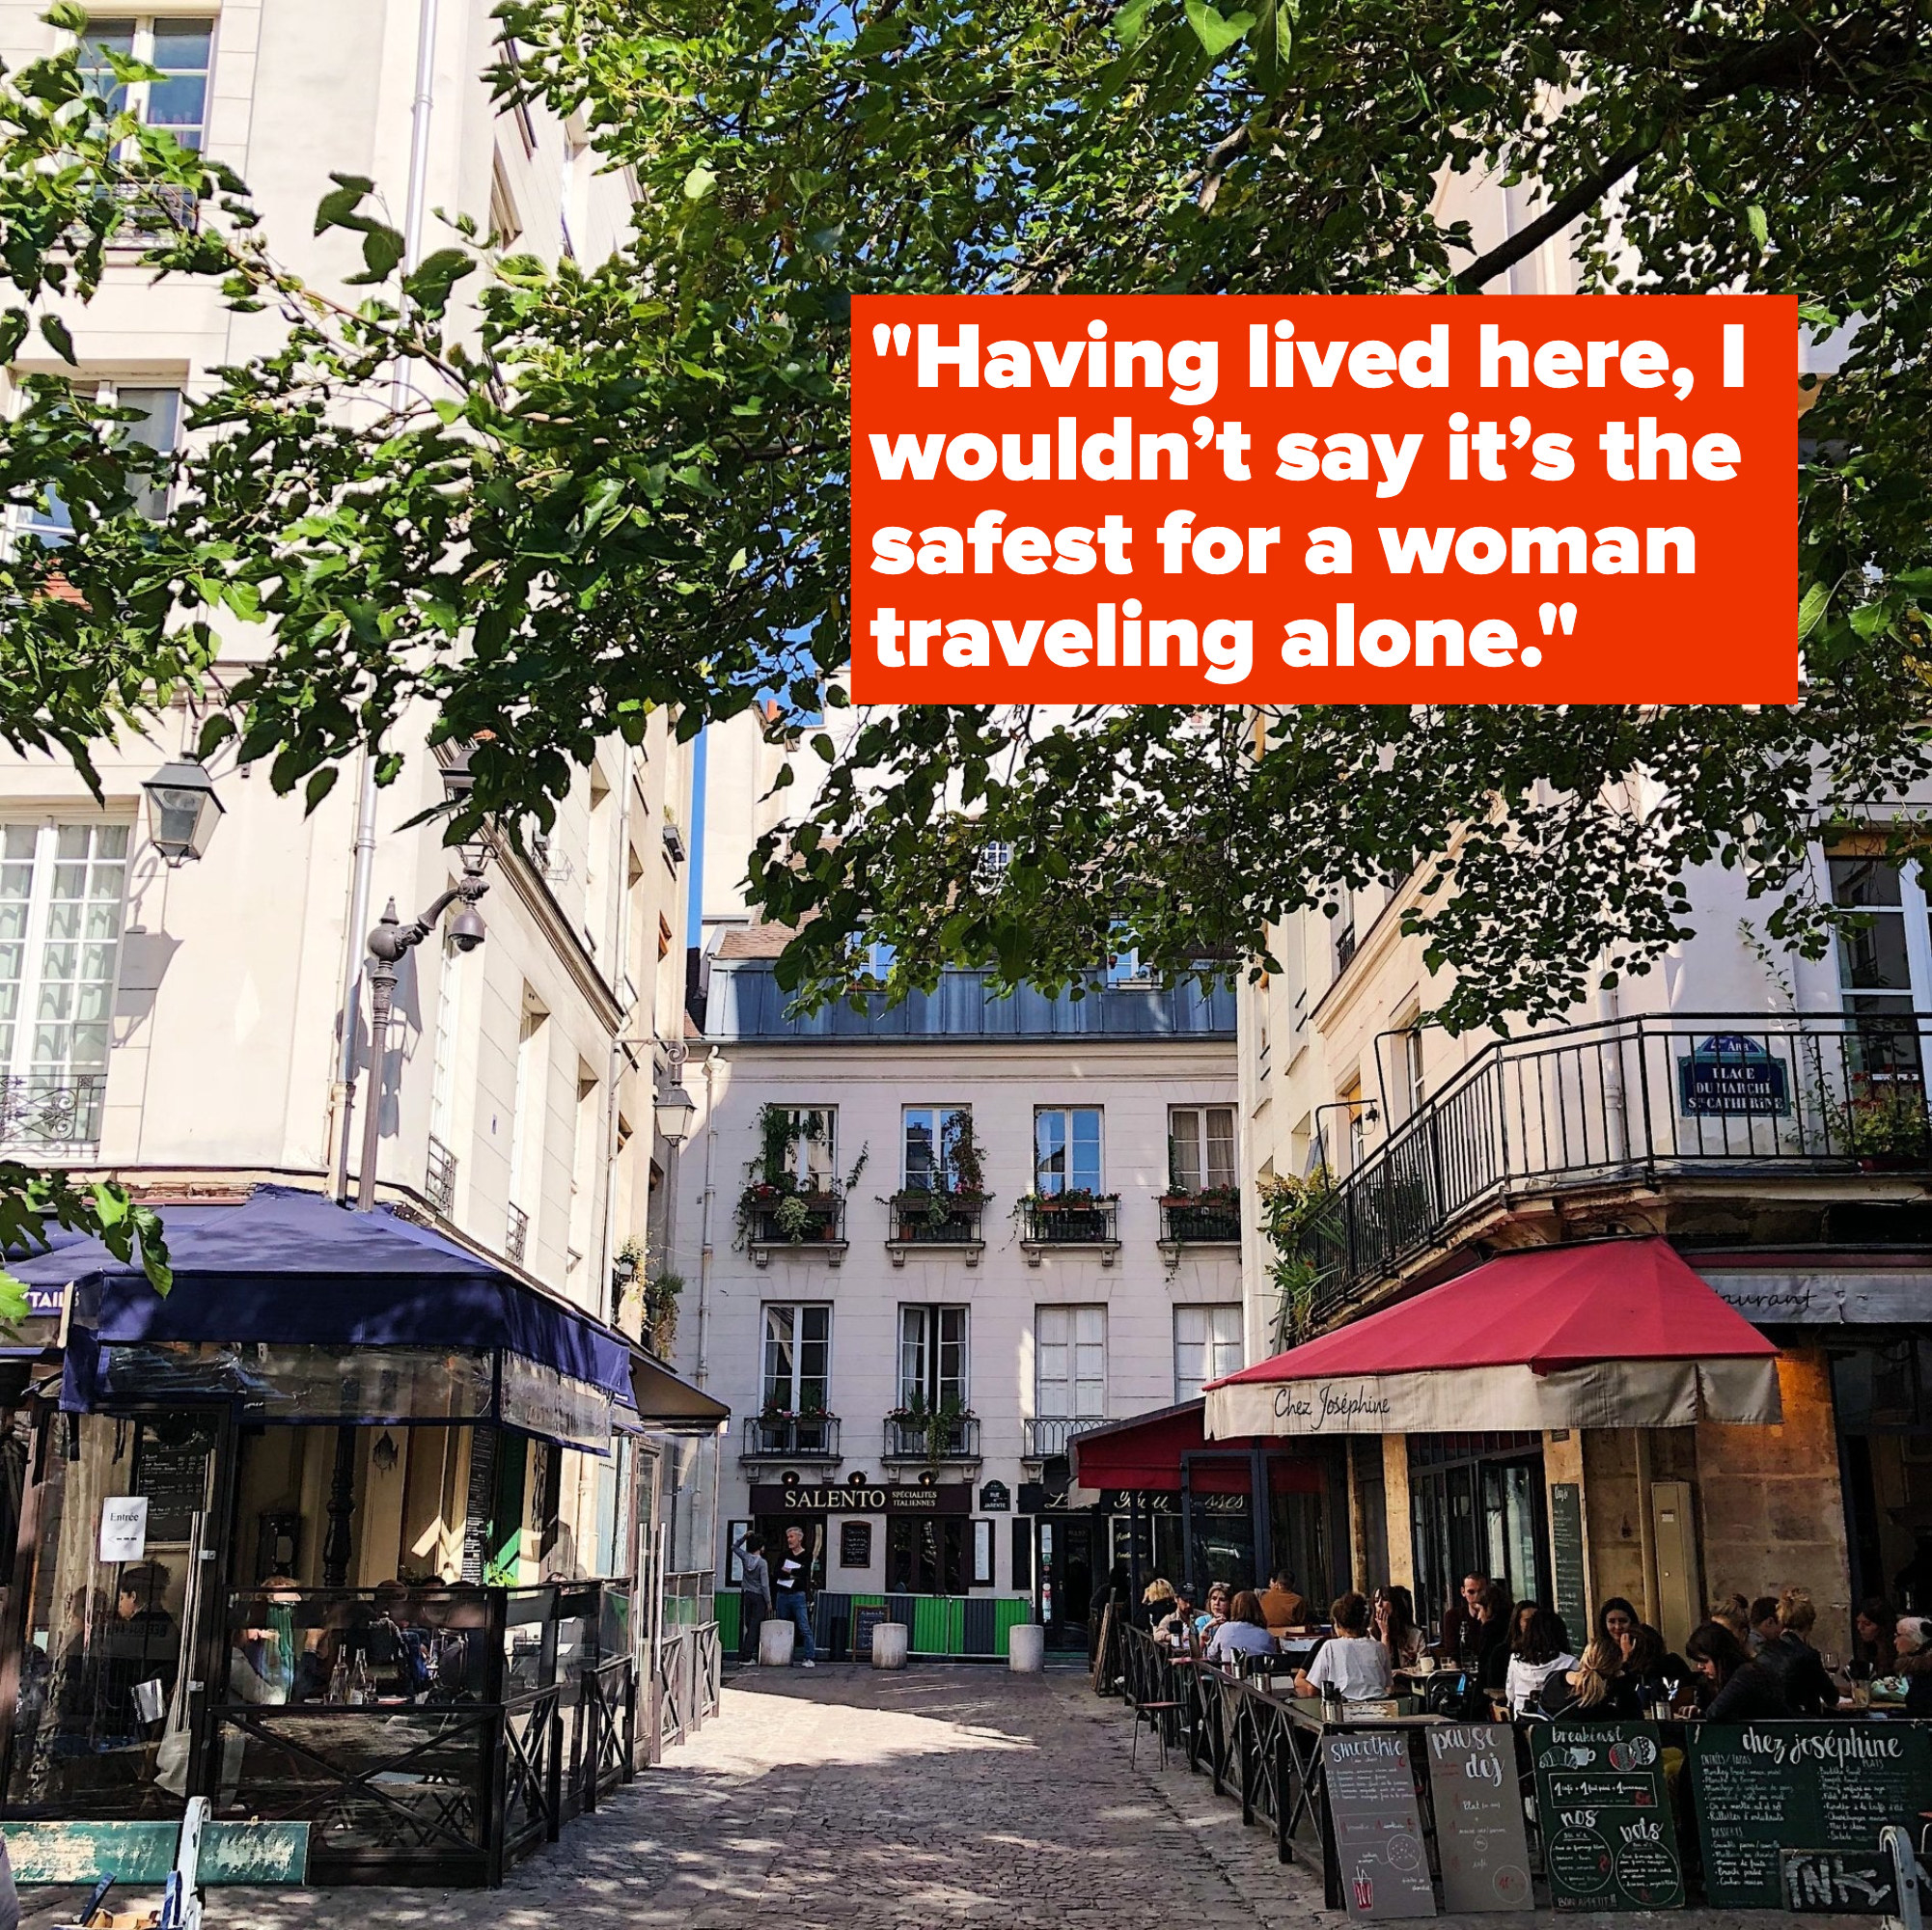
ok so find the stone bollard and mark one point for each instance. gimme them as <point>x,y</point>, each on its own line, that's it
<point>1026,1650</point>
<point>889,1646</point>
<point>774,1641</point>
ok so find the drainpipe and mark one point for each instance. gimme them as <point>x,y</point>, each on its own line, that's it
<point>621,970</point>
<point>363,870</point>
<point>1646,1528</point>
<point>704,1204</point>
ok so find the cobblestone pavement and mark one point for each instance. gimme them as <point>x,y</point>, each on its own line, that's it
<point>846,1800</point>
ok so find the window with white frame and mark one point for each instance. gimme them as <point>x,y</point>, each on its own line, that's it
<point>931,1138</point>
<point>1070,1362</point>
<point>1885,961</point>
<point>797,1375</point>
<point>1409,1044</point>
<point>1206,1344</point>
<point>932,1357</point>
<point>812,1156</point>
<point>157,426</point>
<point>443,1063</point>
<point>62,892</point>
<point>1066,1149</point>
<point>1201,1147</point>
<point>182,47</point>
<point>1123,958</point>
<point>526,1111</point>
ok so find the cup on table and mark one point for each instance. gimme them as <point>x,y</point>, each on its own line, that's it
<point>1425,1665</point>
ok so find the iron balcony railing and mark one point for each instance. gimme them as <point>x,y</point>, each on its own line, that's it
<point>798,1220</point>
<point>1051,1221</point>
<point>1196,1224</point>
<point>1632,1101</point>
<point>52,1111</point>
<point>439,1177</point>
<point>936,1218</point>
<point>933,1438</point>
<point>1046,1439</point>
<point>798,1437</point>
<point>515,1233</point>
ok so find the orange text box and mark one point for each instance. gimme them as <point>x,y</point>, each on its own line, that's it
<point>1182,499</point>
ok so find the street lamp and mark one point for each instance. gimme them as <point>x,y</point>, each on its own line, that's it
<point>675,1109</point>
<point>182,809</point>
<point>387,943</point>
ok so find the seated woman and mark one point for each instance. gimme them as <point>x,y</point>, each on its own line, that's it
<point>1913,1661</point>
<point>1541,1648</point>
<point>1874,1627</point>
<point>1394,1626</point>
<point>1594,1691</point>
<point>1657,1673</point>
<point>1220,1599</point>
<point>1244,1632</point>
<point>1807,1688</point>
<point>1352,1662</point>
<point>1743,1691</point>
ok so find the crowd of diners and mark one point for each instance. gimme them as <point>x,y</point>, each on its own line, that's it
<point>1746,1661</point>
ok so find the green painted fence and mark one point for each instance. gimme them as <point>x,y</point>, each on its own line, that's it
<point>942,1625</point>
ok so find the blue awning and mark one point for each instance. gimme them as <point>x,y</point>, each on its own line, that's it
<point>290,1267</point>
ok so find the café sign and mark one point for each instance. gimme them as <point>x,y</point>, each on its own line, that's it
<point>873,1498</point>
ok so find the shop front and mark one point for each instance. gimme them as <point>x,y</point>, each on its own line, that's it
<point>1566,1421</point>
<point>348,1529</point>
<point>1195,1511</point>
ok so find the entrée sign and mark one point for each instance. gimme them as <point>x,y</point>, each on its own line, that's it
<point>948,1498</point>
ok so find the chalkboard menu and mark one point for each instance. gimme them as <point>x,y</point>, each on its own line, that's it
<point>174,1480</point>
<point>1378,1828</point>
<point>1566,1559</point>
<point>865,1619</point>
<point>855,1544</point>
<point>1766,1787</point>
<point>1480,1840</point>
<point>1609,1843</point>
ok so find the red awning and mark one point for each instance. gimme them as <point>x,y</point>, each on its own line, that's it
<point>1617,1333</point>
<point>1145,1451</point>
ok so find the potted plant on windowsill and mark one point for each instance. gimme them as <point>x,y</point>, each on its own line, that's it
<point>1883,1124</point>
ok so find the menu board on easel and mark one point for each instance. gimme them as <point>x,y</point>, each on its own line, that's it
<point>1766,1790</point>
<point>1480,1840</point>
<point>1378,1828</point>
<point>1566,1559</point>
<point>1609,1843</point>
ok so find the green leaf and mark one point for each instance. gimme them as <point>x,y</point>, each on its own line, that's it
<point>1130,23</point>
<point>427,286</point>
<point>699,183</point>
<point>1761,229</point>
<point>13,1306</point>
<point>337,209</point>
<point>56,332</point>
<point>1215,31</point>
<point>68,17</point>
<point>1811,611</point>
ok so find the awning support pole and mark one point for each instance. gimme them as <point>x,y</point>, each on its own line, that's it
<point>339,1544</point>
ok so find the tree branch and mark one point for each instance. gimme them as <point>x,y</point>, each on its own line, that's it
<point>1559,216</point>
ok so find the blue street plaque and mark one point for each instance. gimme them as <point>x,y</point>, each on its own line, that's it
<point>1730,1076</point>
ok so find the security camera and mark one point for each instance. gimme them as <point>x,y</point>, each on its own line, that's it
<point>466,933</point>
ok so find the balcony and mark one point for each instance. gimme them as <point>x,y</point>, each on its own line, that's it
<point>56,1113</point>
<point>1706,1098</point>
<point>936,1221</point>
<point>439,1177</point>
<point>805,1223</point>
<point>1209,1218</point>
<point>515,1233</point>
<point>1046,1439</point>
<point>932,1439</point>
<point>1069,1222</point>
<point>791,1437</point>
<point>151,212</point>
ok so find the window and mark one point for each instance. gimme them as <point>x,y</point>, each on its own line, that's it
<point>994,861</point>
<point>926,1556</point>
<point>1875,960</point>
<point>62,887</point>
<point>1066,1149</point>
<point>798,1359</point>
<point>812,1158</point>
<point>1206,1344</point>
<point>1344,937</point>
<point>1124,960</point>
<point>982,1553</point>
<point>932,1357</point>
<point>181,49</point>
<point>1070,1362</point>
<point>505,223</point>
<point>157,428</point>
<point>1414,1089</point>
<point>526,1108</point>
<point>1201,1147</point>
<point>932,1135</point>
<point>443,1063</point>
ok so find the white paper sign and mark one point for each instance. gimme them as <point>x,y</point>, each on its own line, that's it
<point>124,1527</point>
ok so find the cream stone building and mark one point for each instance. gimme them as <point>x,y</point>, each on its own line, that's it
<point>182,1026</point>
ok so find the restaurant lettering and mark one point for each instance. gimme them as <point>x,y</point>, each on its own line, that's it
<point>795,1497</point>
<point>1319,1402</point>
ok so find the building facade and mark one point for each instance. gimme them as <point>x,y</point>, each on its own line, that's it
<point>929,1246</point>
<point>1764,1113</point>
<point>201,1031</point>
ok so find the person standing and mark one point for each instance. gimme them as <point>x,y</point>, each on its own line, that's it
<point>793,1596</point>
<point>754,1604</point>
